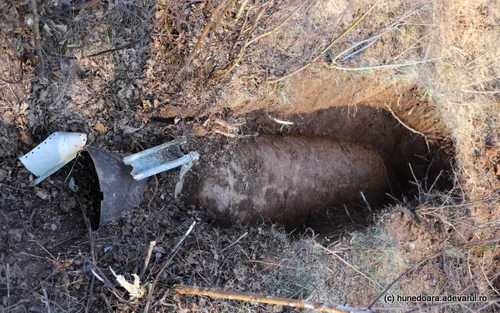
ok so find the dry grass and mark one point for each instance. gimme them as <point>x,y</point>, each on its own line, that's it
<point>120,89</point>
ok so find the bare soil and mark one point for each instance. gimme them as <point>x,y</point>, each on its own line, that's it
<point>115,70</point>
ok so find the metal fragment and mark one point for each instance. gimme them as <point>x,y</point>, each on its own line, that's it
<point>53,153</point>
<point>120,191</point>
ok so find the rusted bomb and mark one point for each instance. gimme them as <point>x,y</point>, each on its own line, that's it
<point>288,179</point>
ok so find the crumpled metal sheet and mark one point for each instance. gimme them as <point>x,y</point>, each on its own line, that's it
<point>120,191</point>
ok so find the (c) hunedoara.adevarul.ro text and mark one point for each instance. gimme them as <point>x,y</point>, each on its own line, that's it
<point>429,298</point>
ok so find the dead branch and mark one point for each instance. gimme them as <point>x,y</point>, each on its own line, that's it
<point>125,46</point>
<point>241,9</point>
<point>279,25</point>
<point>248,42</point>
<point>85,5</point>
<point>257,298</point>
<point>243,47</point>
<point>36,32</point>
<point>96,271</point>
<point>224,12</point>
<point>173,252</point>
<point>345,32</point>
<point>204,33</point>
<point>91,292</point>
<point>382,66</point>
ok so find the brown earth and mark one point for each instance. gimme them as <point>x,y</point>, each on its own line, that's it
<point>125,99</point>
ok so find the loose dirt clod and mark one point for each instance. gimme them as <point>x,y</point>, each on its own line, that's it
<point>14,236</point>
<point>289,179</point>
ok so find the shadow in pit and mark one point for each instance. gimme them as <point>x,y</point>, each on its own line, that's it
<point>408,161</point>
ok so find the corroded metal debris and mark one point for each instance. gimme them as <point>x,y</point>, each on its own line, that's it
<point>287,179</point>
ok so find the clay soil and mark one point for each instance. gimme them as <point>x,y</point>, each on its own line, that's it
<point>123,73</point>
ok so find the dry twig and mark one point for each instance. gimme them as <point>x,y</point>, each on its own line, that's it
<point>349,264</point>
<point>315,59</point>
<point>204,33</point>
<point>408,127</point>
<point>248,42</point>
<point>224,12</point>
<point>152,244</point>
<point>257,298</point>
<point>235,242</point>
<point>36,32</point>
<point>241,9</point>
<point>383,66</point>
<point>7,274</point>
<point>125,46</point>
<point>96,271</point>
<point>45,300</point>
<point>173,252</point>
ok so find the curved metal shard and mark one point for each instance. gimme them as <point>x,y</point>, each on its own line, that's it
<point>53,153</point>
<point>120,191</point>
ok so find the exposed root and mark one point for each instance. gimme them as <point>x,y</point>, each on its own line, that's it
<point>408,127</point>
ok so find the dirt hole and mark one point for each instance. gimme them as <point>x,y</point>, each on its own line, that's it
<point>86,182</point>
<point>417,166</point>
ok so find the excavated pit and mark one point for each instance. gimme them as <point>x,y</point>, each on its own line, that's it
<point>231,186</point>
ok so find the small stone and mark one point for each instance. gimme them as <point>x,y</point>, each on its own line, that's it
<point>68,204</point>
<point>34,309</point>
<point>14,235</point>
<point>3,175</point>
<point>42,193</point>
<point>53,227</point>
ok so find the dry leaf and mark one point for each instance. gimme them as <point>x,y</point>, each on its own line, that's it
<point>100,128</point>
<point>128,129</point>
<point>135,290</point>
<point>192,261</point>
<point>42,193</point>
